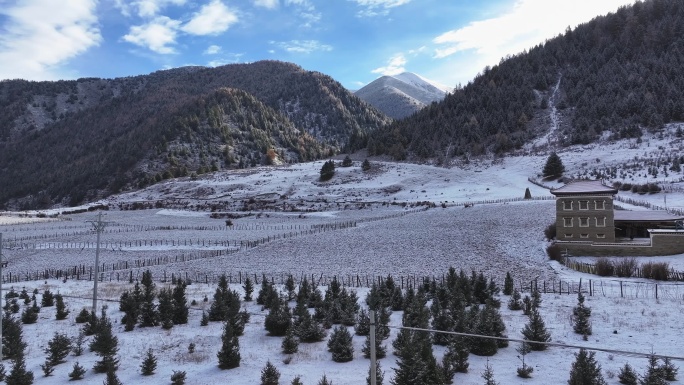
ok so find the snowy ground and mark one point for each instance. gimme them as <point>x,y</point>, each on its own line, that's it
<point>292,217</point>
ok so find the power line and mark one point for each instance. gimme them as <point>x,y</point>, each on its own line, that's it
<point>621,352</point>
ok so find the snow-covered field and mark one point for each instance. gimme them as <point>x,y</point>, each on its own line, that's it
<point>359,225</point>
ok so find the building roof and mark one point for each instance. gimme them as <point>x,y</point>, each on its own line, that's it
<point>584,187</point>
<point>646,216</point>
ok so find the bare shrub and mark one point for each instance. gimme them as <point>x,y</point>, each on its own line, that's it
<point>625,267</point>
<point>554,253</point>
<point>550,231</point>
<point>604,267</point>
<point>655,270</point>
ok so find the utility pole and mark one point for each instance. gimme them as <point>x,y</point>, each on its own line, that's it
<point>99,227</point>
<point>373,378</point>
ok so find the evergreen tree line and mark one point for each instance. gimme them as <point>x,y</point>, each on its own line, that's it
<point>619,73</point>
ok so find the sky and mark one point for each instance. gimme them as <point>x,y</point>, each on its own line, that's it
<point>354,41</point>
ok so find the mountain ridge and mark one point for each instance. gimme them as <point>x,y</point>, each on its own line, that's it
<point>92,137</point>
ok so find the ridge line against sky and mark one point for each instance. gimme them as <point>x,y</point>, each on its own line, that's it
<point>354,41</point>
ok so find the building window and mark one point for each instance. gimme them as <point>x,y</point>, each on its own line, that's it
<point>567,205</point>
<point>600,205</point>
<point>567,222</point>
<point>584,222</point>
<point>568,235</point>
<point>601,222</point>
<point>584,205</point>
<point>584,235</point>
<point>600,236</point>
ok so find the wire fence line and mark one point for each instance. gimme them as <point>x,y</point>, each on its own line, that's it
<point>125,271</point>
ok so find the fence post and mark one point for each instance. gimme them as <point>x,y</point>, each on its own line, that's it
<point>621,293</point>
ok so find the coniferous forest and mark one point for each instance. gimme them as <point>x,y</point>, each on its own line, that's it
<point>620,73</point>
<point>68,142</point>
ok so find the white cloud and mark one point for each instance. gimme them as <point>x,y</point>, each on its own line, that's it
<point>40,35</point>
<point>212,19</point>
<point>269,4</point>
<point>158,35</point>
<point>395,66</point>
<point>378,7</point>
<point>145,8</point>
<point>227,59</point>
<point>212,50</point>
<point>303,46</point>
<point>308,12</point>
<point>527,24</point>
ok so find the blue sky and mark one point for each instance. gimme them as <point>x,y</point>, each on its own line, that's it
<point>354,41</point>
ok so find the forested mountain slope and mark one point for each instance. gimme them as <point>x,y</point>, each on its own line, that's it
<point>63,142</point>
<point>620,73</point>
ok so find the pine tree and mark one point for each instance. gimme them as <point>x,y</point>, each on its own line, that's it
<point>553,167</point>
<point>47,369</point>
<point>149,364</point>
<point>180,303</point>
<point>149,315</point>
<point>327,171</point>
<point>366,166</point>
<point>58,349</point>
<point>627,375</point>
<point>178,377</point>
<point>324,381</point>
<point>77,345</point>
<point>48,299</point>
<point>457,355</point>
<point>62,311</point>
<point>249,289</point>
<point>82,317</point>
<point>278,319</point>
<point>129,304</point>
<point>290,343</point>
<point>290,287</point>
<point>229,355</point>
<point>362,327</point>
<point>111,378</point>
<point>19,375</point>
<point>308,330</point>
<point>654,373</point>
<point>105,345</point>
<point>528,194</point>
<point>204,321</point>
<point>488,375</point>
<point>297,381</point>
<point>581,313</point>
<point>535,331</point>
<point>266,294</point>
<point>514,303</point>
<point>29,316</point>
<point>417,364</point>
<point>585,370</point>
<point>525,371</point>
<point>340,345</point>
<point>13,344</point>
<point>165,308</point>
<point>669,370</point>
<point>77,372</point>
<point>379,375</point>
<point>508,284</point>
<point>270,374</point>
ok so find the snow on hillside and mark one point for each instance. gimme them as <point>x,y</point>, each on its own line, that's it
<point>393,233</point>
<point>421,82</point>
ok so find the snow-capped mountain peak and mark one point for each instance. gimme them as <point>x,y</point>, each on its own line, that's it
<point>401,95</point>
